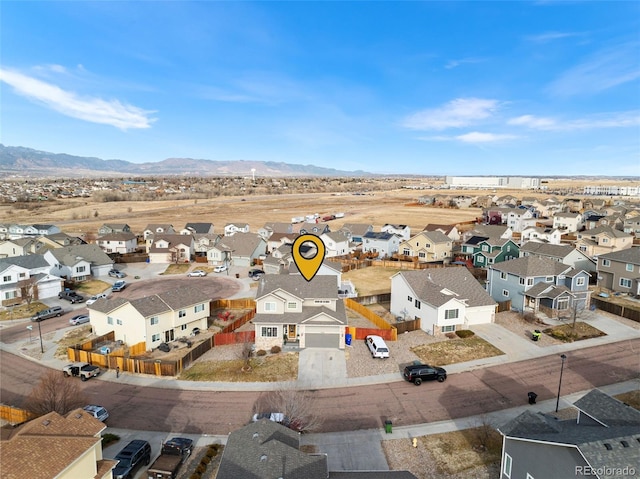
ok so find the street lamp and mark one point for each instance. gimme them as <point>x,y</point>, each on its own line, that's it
<point>563,357</point>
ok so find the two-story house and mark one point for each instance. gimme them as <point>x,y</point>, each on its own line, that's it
<point>488,231</point>
<point>155,229</point>
<point>403,231</point>
<point>64,447</point>
<point>539,284</point>
<point>291,309</point>
<point>445,299</point>
<point>631,225</point>
<point>197,229</point>
<point>386,244</point>
<point>428,247</point>
<point>356,231</point>
<point>494,250</point>
<point>110,228</point>
<point>232,228</point>
<point>563,253</point>
<point>336,244</point>
<point>619,271</point>
<point>602,240</point>
<point>448,230</point>
<point>154,319</point>
<point>240,249</point>
<point>275,227</point>
<point>78,262</point>
<point>540,234</point>
<point>170,248</point>
<point>520,218</point>
<point>121,243</point>
<point>30,272</point>
<point>568,222</point>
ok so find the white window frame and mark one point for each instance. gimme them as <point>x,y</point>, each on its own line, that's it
<point>153,320</point>
<point>450,328</point>
<point>505,293</point>
<point>198,307</point>
<point>503,275</point>
<point>182,313</point>
<point>109,320</point>
<point>580,281</point>
<point>451,313</point>
<point>119,322</point>
<point>606,262</point>
<point>506,470</point>
<point>269,331</point>
<point>292,305</point>
<point>628,267</point>
<point>155,338</point>
<point>270,306</point>
<point>625,282</point>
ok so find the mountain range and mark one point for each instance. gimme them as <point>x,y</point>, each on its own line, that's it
<point>18,161</point>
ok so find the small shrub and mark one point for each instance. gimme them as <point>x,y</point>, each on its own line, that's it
<point>205,460</point>
<point>201,468</point>
<point>109,438</point>
<point>464,333</point>
<point>261,352</point>
<point>530,318</point>
<point>211,452</point>
<point>275,349</point>
<point>195,475</point>
<point>451,335</point>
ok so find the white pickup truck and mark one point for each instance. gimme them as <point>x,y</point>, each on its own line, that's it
<point>84,370</point>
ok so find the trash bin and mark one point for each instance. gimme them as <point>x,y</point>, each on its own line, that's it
<point>536,334</point>
<point>532,397</point>
<point>388,427</point>
<point>347,339</point>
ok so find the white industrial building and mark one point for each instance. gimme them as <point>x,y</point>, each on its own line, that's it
<point>514,182</point>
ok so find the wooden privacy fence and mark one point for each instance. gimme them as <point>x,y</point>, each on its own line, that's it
<point>386,330</point>
<point>239,322</point>
<point>221,339</point>
<point>233,304</point>
<point>15,415</point>
<point>361,333</point>
<point>626,311</point>
<point>406,326</point>
<point>503,306</point>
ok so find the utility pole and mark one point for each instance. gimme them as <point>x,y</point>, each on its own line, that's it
<point>563,357</point>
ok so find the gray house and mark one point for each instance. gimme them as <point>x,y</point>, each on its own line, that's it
<point>563,253</point>
<point>383,243</point>
<point>620,271</point>
<point>602,440</point>
<point>539,284</point>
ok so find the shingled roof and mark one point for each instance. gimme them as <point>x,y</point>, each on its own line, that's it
<point>530,266</point>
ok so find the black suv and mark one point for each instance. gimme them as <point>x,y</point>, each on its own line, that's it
<point>416,373</point>
<point>71,296</point>
<point>134,454</point>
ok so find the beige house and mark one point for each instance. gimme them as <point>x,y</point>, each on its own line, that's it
<point>427,246</point>
<point>64,447</point>
<point>602,240</point>
<point>154,319</point>
<point>170,248</point>
<point>121,243</point>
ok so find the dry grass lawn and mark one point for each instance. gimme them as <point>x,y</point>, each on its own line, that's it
<point>372,280</point>
<point>632,398</point>
<point>91,287</point>
<point>75,336</point>
<point>567,333</point>
<point>22,311</point>
<point>177,269</point>
<point>456,350</point>
<point>277,367</point>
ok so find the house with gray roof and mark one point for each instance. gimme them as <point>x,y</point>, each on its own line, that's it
<point>537,284</point>
<point>356,231</point>
<point>31,271</point>
<point>602,440</point>
<point>385,243</point>
<point>336,244</point>
<point>120,243</point>
<point>109,228</point>
<point>196,229</point>
<point>564,253</point>
<point>170,248</point>
<point>488,231</point>
<point>619,271</point>
<point>428,247</point>
<point>240,249</point>
<point>603,240</point>
<point>444,299</point>
<point>156,228</point>
<point>152,320</point>
<point>232,228</point>
<point>78,262</point>
<point>403,231</point>
<point>541,234</point>
<point>290,309</point>
<point>494,250</point>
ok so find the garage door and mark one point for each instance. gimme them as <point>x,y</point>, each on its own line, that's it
<point>321,338</point>
<point>49,289</point>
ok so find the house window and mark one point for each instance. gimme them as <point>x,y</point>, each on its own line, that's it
<point>629,267</point>
<point>451,314</point>
<point>580,281</point>
<point>182,313</point>
<point>153,320</point>
<point>606,262</point>
<point>521,280</point>
<point>198,307</point>
<point>503,275</point>
<point>480,259</point>
<point>183,327</point>
<point>6,279</point>
<point>605,240</point>
<point>625,283</point>
<point>406,252</point>
<point>448,329</point>
<point>291,305</point>
<point>410,299</point>
<point>417,304</point>
<point>271,306</point>
<point>109,320</point>
<point>155,337</point>
<point>508,247</point>
<point>422,255</point>
<point>269,332</point>
<point>80,269</point>
<point>529,281</point>
<point>505,293</point>
<point>119,322</point>
<point>485,247</point>
<point>548,279</point>
<point>563,304</point>
<point>507,465</point>
<point>491,261</point>
<point>22,275</point>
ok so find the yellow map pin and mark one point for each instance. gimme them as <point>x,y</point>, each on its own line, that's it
<point>309,260</point>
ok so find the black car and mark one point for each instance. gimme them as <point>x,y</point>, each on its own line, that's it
<point>256,274</point>
<point>134,454</point>
<point>71,296</point>
<point>416,373</point>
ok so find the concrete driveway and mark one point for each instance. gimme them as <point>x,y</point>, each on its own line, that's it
<point>321,368</point>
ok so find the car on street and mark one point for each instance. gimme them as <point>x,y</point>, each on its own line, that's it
<point>271,416</point>
<point>416,373</point>
<point>95,298</point>
<point>114,273</point>
<point>79,319</point>
<point>220,268</point>
<point>197,273</point>
<point>99,412</point>
<point>256,274</point>
<point>118,286</point>
<point>47,313</point>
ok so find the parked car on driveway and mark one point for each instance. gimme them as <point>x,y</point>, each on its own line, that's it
<point>114,273</point>
<point>95,298</point>
<point>197,272</point>
<point>220,268</point>
<point>377,346</point>
<point>256,274</point>
<point>118,286</point>
<point>131,457</point>
<point>416,373</point>
<point>79,319</point>
<point>70,296</point>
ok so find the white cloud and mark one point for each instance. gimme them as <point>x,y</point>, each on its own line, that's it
<point>456,63</point>
<point>603,120</point>
<point>551,36</point>
<point>457,113</point>
<point>533,122</point>
<point>478,137</point>
<point>95,110</point>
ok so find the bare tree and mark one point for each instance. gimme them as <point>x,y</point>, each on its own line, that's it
<point>484,432</point>
<point>246,352</point>
<point>55,393</point>
<point>28,289</point>
<point>298,408</point>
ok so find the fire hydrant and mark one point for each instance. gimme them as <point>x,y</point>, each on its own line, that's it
<point>414,441</point>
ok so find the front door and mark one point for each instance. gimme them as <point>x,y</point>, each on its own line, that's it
<point>291,334</point>
<point>168,336</point>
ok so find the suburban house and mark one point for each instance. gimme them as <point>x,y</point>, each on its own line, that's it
<point>240,249</point>
<point>327,268</point>
<point>30,272</point>
<point>445,299</point>
<point>16,231</point>
<point>278,239</point>
<point>76,439</point>
<point>232,228</point>
<point>535,284</point>
<point>573,204</point>
<point>121,243</point>
<point>601,439</point>
<point>541,234</point>
<point>620,271</point>
<point>152,320</point>
<point>196,229</point>
<point>170,248</point>
<point>449,230</point>
<point>203,243</point>
<point>317,229</point>
<point>494,250</point>
<point>291,309</point>
<point>79,262</point>
<point>615,221</point>
<point>356,231</point>
<point>110,228</point>
<point>403,231</point>
<point>488,231</point>
<point>18,247</point>
<point>336,244</point>
<point>602,240</point>
<point>275,227</point>
<point>266,450</point>
<point>548,207</point>
<point>155,229</point>
<point>563,253</point>
<point>568,222</point>
<point>427,246</point>
<point>386,244</point>
<point>631,225</point>
<point>520,218</point>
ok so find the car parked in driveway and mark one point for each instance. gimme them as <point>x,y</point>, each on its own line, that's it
<point>197,273</point>
<point>131,457</point>
<point>416,373</point>
<point>377,346</point>
<point>220,268</point>
<point>256,274</point>
<point>79,319</point>
<point>114,273</point>
<point>118,286</point>
<point>70,296</point>
<point>95,298</point>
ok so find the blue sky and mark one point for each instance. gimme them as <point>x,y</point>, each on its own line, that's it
<point>430,88</point>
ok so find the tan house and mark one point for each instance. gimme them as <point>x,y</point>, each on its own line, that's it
<point>170,248</point>
<point>427,246</point>
<point>121,243</point>
<point>602,240</point>
<point>155,319</point>
<point>63,447</point>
